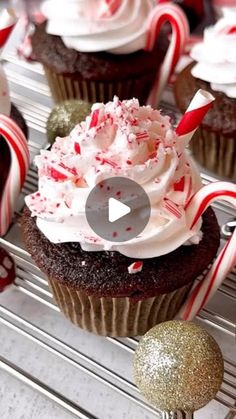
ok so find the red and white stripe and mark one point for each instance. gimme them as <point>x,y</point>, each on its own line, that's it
<point>109,7</point>
<point>8,20</point>
<point>226,259</point>
<point>135,267</point>
<point>161,14</point>
<point>199,106</point>
<point>184,185</point>
<point>17,171</point>
<point>172,208</point>
<point>94,118</point>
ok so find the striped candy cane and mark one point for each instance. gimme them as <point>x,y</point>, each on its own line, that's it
<point>16,174</point>
<point>199,106</point>
<point>161,14</point>
<point>226,259</point>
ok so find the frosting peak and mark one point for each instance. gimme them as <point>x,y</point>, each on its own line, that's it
<point>92,25</point>
<point>216,56</point>
<point>118,139</point>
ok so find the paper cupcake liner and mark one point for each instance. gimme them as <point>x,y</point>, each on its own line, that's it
<point>216,152</point>
<point>117,316</point>
<point>64,87</point>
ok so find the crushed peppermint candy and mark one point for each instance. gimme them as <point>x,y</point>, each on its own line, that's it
<point>135,267</point>
<point>118,139</point>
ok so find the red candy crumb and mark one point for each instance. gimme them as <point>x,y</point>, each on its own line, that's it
<point>77,148</point>
<point>179,186</point>
<point>55,174</point>
<point>94,119</point>
<point>135,267</point>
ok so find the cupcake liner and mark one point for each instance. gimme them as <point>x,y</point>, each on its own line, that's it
<point>64,87</point>
<point>117,316</point>
<point>215,151</point>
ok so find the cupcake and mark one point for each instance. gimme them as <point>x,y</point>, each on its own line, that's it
<point>214,69</point>
<point>92,50</point>
<point>111,287</point>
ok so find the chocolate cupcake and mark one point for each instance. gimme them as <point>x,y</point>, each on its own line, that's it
<point>106,286</point>
<point>92,52</point>
<point>214,145</point>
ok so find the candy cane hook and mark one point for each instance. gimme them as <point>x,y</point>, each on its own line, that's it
<point>161,14</point>
<point>226,259</point>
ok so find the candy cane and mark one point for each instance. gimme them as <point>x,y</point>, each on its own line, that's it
<point>17,144</point>
<point>161,14</point>
<point>226,259</point>
<point>8,20</point>
<point>199,106</point>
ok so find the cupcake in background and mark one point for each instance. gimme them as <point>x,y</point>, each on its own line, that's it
<point>214,69</point>
<point>106,285</point>
<point>95,49</point>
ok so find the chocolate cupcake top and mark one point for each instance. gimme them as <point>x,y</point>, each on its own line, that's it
<point>51,51</point>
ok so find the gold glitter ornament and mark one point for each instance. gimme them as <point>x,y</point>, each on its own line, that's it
<point>178,366</point>
<point>65,116</point>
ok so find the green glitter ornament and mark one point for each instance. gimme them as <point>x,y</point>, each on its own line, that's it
<point>178,366</point>
<point>65,116</point>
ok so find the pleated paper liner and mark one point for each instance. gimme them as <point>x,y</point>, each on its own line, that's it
<point>117,316</point>
<point>215,152</point>
<point>64,87</point>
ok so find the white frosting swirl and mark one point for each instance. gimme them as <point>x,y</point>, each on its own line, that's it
<point>84,26</point>
<point>216,56</point>
<point>117,139</point>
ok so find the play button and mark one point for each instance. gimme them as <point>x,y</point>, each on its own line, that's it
<point>117,209</point>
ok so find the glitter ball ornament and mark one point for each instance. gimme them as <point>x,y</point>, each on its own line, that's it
<point>64,117</point>
<point>178,366</point>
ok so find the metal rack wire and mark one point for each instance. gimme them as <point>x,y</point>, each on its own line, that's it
<point>34,101</point>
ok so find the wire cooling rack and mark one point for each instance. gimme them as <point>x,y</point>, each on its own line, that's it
<point>32,321</point>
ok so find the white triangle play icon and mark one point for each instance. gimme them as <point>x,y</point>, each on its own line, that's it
<point>116,210</point>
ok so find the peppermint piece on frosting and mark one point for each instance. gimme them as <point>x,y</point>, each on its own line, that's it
<point>135,267</point>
